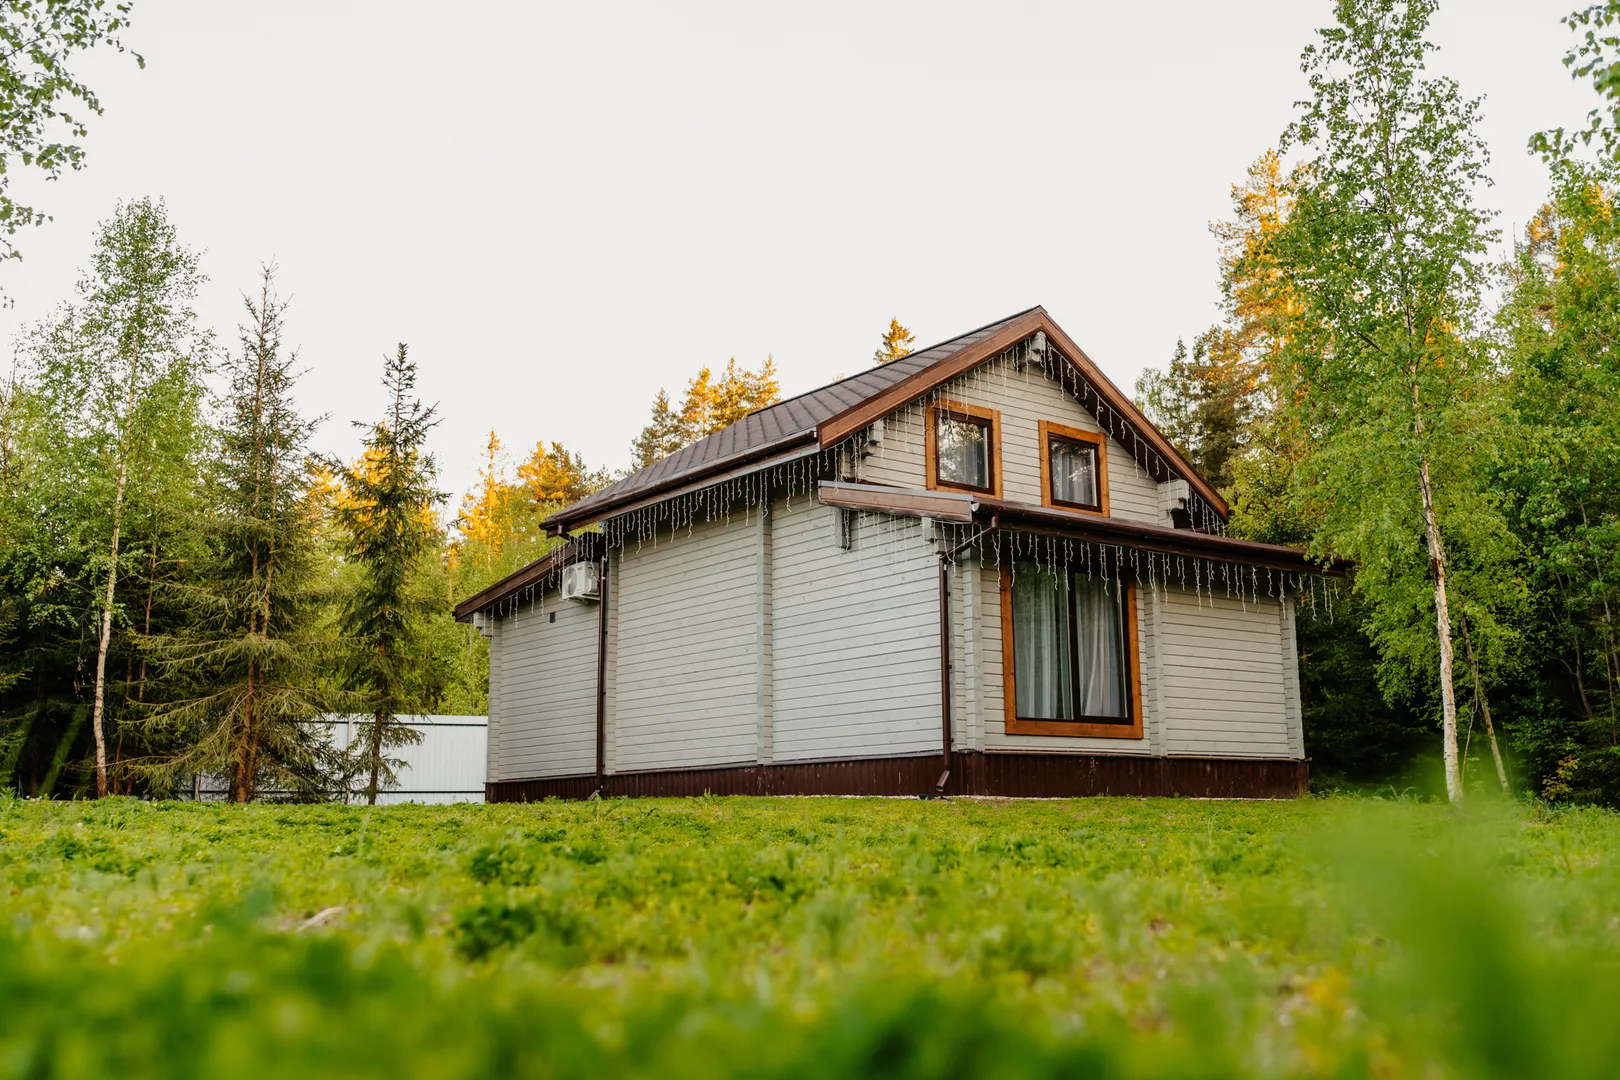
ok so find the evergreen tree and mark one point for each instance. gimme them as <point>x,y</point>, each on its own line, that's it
<point>660,438</point>
<point>708,406</point>
<point>1204,403</point>
<point>1381,361</point>
<point>387,514</point>
<point>897,342</point>
<point>118,430</point>
<point>1559,321</point>
<point>253,650</point>
<point>555,477</point>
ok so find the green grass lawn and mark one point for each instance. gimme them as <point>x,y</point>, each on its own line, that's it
<point>808,937</point>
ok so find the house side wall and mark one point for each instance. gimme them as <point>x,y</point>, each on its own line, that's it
<point>687,689</point>
<point>1224,677</point>
<point>543,690</point>
<point>492,748</point>
<point>1289,645</point>
<point>855,637</point>
<point>1023,399</point>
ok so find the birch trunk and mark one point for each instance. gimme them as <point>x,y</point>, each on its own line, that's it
<point>99,708</point>
<point>1442,618</point>
<point>1485,707</point>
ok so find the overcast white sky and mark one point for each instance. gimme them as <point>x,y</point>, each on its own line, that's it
<point>564,207</point>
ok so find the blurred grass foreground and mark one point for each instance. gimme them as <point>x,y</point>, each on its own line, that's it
<point>808,938</point>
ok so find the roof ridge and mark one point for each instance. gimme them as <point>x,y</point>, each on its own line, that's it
<point>914,352</point>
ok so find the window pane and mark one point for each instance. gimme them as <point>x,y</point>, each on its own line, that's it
<point>1042,677</point>
<point>962,449</point>
<point>1074,472</point>
<point>1100,636</point>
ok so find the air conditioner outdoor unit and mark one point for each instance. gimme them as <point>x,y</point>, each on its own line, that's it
<point>579,582</point>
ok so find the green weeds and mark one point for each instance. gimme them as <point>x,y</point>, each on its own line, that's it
<point>807,937</point>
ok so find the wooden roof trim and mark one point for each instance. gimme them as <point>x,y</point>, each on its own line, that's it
<point>588,546</point>
<point>901,502</point>
<point>903,393</point>
<point>1133,416</point>
<point>852,419</point>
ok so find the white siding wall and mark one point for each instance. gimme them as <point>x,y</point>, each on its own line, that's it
<point>1023,399</point>
<point>686,688</point>
<point>542,678</point>
<point>1224,677</point>
<point>855,637</point>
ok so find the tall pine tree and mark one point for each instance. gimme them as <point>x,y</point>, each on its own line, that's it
<point>387,514</point>
<point>254,650</point>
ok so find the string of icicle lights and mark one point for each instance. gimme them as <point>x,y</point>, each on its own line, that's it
<point>897,459</point>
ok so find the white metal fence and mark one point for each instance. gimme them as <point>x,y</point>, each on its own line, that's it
<point>449,765</point>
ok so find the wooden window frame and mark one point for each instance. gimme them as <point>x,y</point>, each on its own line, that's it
<point>973,414</point>
<point>1127,728</point>
<point>1099,444</point>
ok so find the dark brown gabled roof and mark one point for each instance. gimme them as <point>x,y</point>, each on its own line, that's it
<point>823,417</point>
<point>775,427</point>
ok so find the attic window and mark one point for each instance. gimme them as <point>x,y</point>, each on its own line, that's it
<point>963,448</point>
<point>1074,469</point>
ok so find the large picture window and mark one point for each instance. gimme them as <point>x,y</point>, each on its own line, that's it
<point>1069,653</point>
<point>1074,468</point>
<point>964,449</point>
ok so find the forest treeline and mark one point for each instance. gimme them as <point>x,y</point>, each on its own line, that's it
<point>1386,385</point>
<point>184,584</point>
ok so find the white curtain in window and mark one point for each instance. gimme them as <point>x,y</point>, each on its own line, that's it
<point>1041,643</point>
<point>1074,472</point>
<point>1099,618</point>
<point>962,453</point>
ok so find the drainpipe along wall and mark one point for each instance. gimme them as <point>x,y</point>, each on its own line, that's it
<point>945,666</point>
<point>601,678</point>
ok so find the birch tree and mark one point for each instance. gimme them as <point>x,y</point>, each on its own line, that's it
<point>44,105</point>
<point>1381,363</point>
<point>119,386</point>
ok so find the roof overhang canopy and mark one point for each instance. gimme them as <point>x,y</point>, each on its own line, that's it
<point>1000,513</point>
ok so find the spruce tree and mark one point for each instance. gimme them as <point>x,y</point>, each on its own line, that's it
<point>254,650</point>
<point>387,514</point>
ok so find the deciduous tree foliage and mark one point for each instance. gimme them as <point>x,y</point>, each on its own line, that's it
<point>118,377</point>
<point>43,105</point>
<point>1382,363</point>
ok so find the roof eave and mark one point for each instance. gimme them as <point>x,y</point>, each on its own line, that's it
<point>1126,533</point>
<point>515,582</point>
<point>580,515</point>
